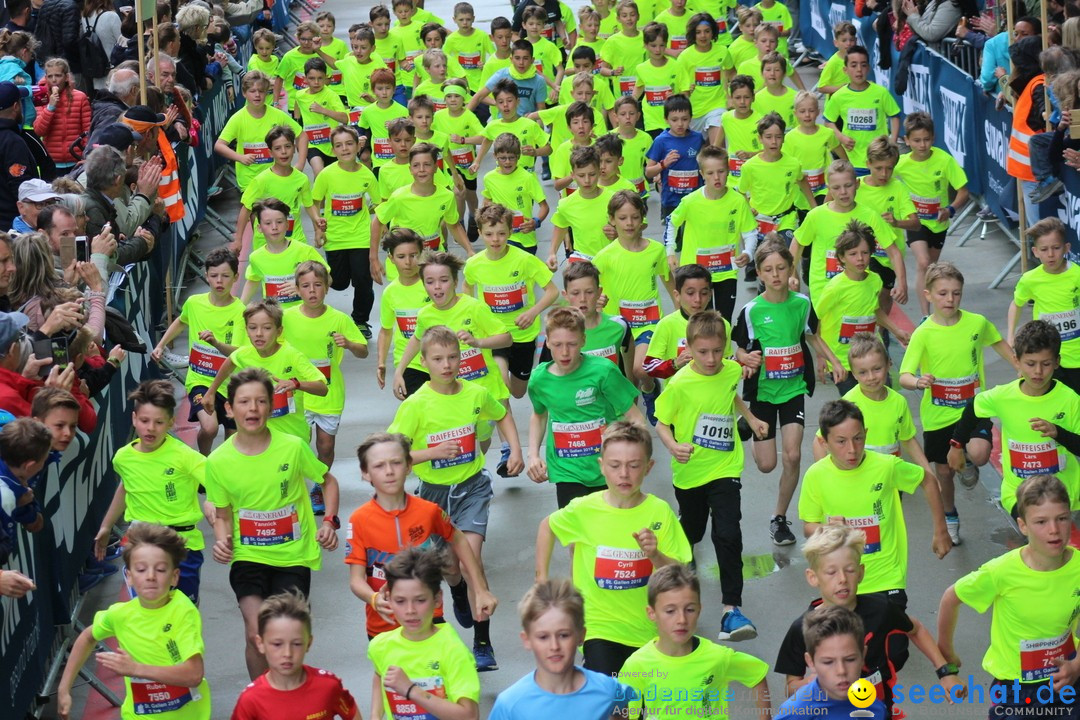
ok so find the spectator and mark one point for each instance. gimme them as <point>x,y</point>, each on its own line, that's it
<point>995,60</point>
<point>169,45</point>
<point>163,160</point>
<point>1070,33</point>
<point>58,30</point>
<point>16,158</point>
<point>161,71</point>
<point>99,17</point>
<point>122,92</point>
<point>1054,61</point>
<point>14,584</point>
<point>59,225</point>
<point>65,116</point>
<point>937,19</point>
<point>7,271</point>
<point>1026,85</point>
<point>17,50</point>
<point>105,170</point>
<point>193,21</point>
<point>22,16</point>
<point>73,203</point>
<point>34,194</point>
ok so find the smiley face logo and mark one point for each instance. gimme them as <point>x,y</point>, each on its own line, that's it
<point>862,693</point>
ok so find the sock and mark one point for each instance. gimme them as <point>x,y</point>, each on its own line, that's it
<point>953,514</point>
<point>460,591</point>
<point>482,633</point>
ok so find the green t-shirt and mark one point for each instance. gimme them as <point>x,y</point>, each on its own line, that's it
<point>1056,299</point>
<point>777,330</point>
<point>657,85</point>
<point>398,308</point>
<point>317,127</point>
<point>163,486</point>
<point>891,197</point>
<point>888,421</point>
<point>477,364</point>
<point>579,406</point>
<point>929,182</point>
<point>164,636</point>
<point>528,132</point>
<point>519,192</point>
<point>411,49</point>
<point>375,119</point>
<point>610,570</point>
<point>272,521</point>
<point>314,338</point>
<point>441,665</point>
<point>249,134</point>
<point>430,418</point>
<point>629,279</point>
<point>846,307</point>
<point>958,374</point>
<point>862,115</point>
<point>866,498</point>
<point>773,188</point>
<point>608,339</point>
<point>507,285</point>
<point>814,153</point>
<point>293,189</point>
<point>706,69</point>
<point>348,216</point>
<point>470,52</point>
<point>712,231</point>
<point>820,229</point>
<point>493,65</point>
<point>587,218</point>
<point>287,414</point>
<point>700,410</point>
<point>274,270</point>
<point>467,125</point>
<point>227,324</point>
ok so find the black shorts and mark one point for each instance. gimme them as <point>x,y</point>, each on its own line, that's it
<point>469,184</point>
<point>317,153</point>
<point>788,412</point>
<point>531,249</point>
<point>567,491</point>
<point>935,240</point>
<point>414,380</point>
<point>1069,376</point>
<point>251,578</point>
<point>195,403</point>
<point>887,274</point>
<point>519,357</point>
<point>936,442</point>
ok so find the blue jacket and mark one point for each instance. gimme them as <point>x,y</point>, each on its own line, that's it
<point>14,70</point>
<point>995,55</point>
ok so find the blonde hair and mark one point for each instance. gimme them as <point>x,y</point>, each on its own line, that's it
<point>627,432</point>
<point>827,539</point>
<point>582,78</point>
<point>565,318</point>
<point>559,594</point>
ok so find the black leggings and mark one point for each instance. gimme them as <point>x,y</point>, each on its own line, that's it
<point>605,656</point>
<point>722,499</point>
<point>352,267</point>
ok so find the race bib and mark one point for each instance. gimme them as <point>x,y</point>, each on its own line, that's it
<point>1039,458</point>
<point>406,321</point>
<point>639,314</point>
<point>851,324</point>
<point>832,265</point>
<point>783,363</point>
<point>639,185</point>
<point>679,42</point>
<point>539,65</point>
<point>869,524</point>
<point>463,156</point>
<point>505,298</point>
<point>858,119</point>
<point>404,709</point>
<point>621,568</point>
<point>264,528</point>
<point>299,82</point>
<point>432,242</point>
<point>274,287</point>
<point>440,104</point>
<point>549,32</point>
<point>714,432</point>
<point>655,95</point>
<point>721,24</point>
<point>1067,323</point>
<point>708,76</point>
<point>926,208</point>
<point>766,224</point>
<point>626,84</point>
<point>1037,656</point>
<point>734,165</point>
<point>716,259</point>
<point>893,449</point>
<point>324,366</point>
<point>283,404</point>
<point>354,115</point>
<point>381,148</point>
<point>391,64</point>
<point>346,205</point>
<point>574,440</point>
<point>469,61</point>
<point>682,181</point>
<point>291,226</point>
<point>816,178</point>
<point>466,438</point>
<point>204,360</point>
<point>259,151</point>
<point>610,352</point>
<point>954,392</point>
<point>153,698</point>
<point>517,221</point>
<point>579,257</point>
<point>473,364</point>
<point>335,77</point>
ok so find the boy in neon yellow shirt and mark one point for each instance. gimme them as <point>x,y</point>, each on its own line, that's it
<point>160,478</point>
<point>547,59</point>
<point>444,419</point>
<point>743,48</point>
<point>388,47</point>
<point>459,125</point>
<point>606,336</point>
<point>658,78</point>
<point>469,46</point>
<point>773,95</point>
<point>579,119</point>
<point>765,42</point>
<point>636,142</point>
<point>534,141</point>
<point>708,64</point>
<point>356,69</point>
<point>619,536</point>
<point>332,46</point>
<point>929,173</point>
<point>555,116</point>
<point>434,62</point>
<point>400,304</point>
<point>422,113</point>
<point>407,31</point>
<point>696,422</point>
<point>214,321</point>
<point>675,18</point>
<point>738,127</point>
<point>776,15</point>
<point>501,37</point>
<point>314,105</point>
<point>264,42</point>
<point>668,350</point>
<point>518,190</point>
<point>625,50</point>
<point>610,149</point>
<point>861,110</point>
<point>378,115</point>
<point>322,334</point>
<point>687,658</point>
<point>584,61</point>
<point>290,69</point>
<point>845,36</point>
<point>774,182</point>
<point>584,212</point>
<point>812,144</point>
<point>949,380</point>
<point>271,267</point>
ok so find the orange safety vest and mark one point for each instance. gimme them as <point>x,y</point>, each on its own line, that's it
<point>1018,163</point>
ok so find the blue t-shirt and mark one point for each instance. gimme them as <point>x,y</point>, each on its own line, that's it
<point>683,177</point>
<point>530,90</point>
<point>599,697</point>
<point>812,696</point>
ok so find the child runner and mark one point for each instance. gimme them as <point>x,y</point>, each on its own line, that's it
<point>580,121</point>
<point>776,15</point>
<point>624,50</point>
<point>861,110</point>
<point>635,142</point>
<point>469,46</point>
<point>534,141</point>
<point>400,304</point>
<point>332,46</point>
<point>773,95</point>
<point>314,106</point>
<point>517,189</point>
<point>290,70</point>
<point>531,88</point>
<point>610,149</point>
<point>673,156</point>
<point>708,64</point>
<point>674,19</point>
<point>738,128</point>
<point>264,42</point>
<point>459,125</point>
<point>765,44</point>
<point>811,144</point>
<point>845,36</point>
<point>742,48</point>
<point>668,351</point>
<point>376,117</point>
<point>606,336</point>
<point>390,49</point>
<point>580,223</point>
<point>271,267</point>
<point>658,78</point>
<point>356,70</point>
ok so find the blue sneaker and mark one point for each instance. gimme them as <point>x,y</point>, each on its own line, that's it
<point>88,581</point>
<point>318,505</point>
<point>735,626</point>
<point>649,399</point>
<point>485,657</point>
<point>462,610</point>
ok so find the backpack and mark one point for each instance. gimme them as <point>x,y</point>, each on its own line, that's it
<point>93,59</point>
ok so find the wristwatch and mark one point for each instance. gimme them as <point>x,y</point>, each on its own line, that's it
<point>946,670</point>
<point>953,442</point>
<point>333,520</point>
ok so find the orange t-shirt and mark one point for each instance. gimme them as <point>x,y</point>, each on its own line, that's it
<point>375,535</point>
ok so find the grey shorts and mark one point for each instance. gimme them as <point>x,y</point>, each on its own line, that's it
<point>706,121</point>
<point>466,503</point>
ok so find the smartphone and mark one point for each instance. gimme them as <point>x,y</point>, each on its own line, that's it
<point>82,249</point>
<point>54,347</point>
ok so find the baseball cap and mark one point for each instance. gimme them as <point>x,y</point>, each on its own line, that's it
<point>10,93</point>
<point>11,324</point>
<point>142,113</point>
<point>118,135</point>
<point>36,191</point>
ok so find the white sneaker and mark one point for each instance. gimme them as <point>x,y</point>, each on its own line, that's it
<point>952,524</point>
<point>969,476</point>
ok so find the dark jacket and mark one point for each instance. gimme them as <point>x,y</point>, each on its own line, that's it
<point>105,110</point>
<point>17,164</point>
<point>100,210</point>
<point>58,30</point>
<point>192,57</point>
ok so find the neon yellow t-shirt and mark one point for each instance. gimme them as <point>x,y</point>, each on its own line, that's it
<point>336,49</point>
<point>227,324</point>
<point>740,134</point>
<point>249,134</point>
<point>560,164</point>
<point>411,49</point>
<point>676,25</point>
<point>470,52</point>
<point>430,418</point>
<point>706,69</point>
<point>622,51</point>
<point>587,218</point>
<point>845,307</point>
<point>694,685</point>
<point>424,215</point>
<point>669,337</point>
<point>467,125</point>
<point>700,409</point>
<point>891,197</point>
<point>493,65</point>
<point>958,374</point>
<point>546,57</point>
<point>628,278</point>
<point>773,188</point>
<point>441,665</point>
<point>168,635</point>
<point>610,571</point>
<point>712,231</point>
<point>163,486</point>
<point>507,287</point>
<point>633,154</point>
<point>929,182</point>
<point>394,175</point>
<point>779,17</point>
<point>657,85</point>
<point>866,498</point>
<point>375,119</point>
<point>520,192</point>
<point>888,421</point>
<point>862,115</point>
<point>528,132</point>
<point>398,310</point>
<point>833,74</point>
<point>269,67</point>
<point>314,338</point>
<point>814,153</point>
<point>820,229</point>
<point>1023,642</point>
<point>274,269</point>
<point>294,190</point>
<point>783,105</point>
<point>468,313</point>
<point>602,98</point>
<point>392,52</point>
<point>1055,299</point>
<point>742,49</point>
<point>752,68</point>
<point>347,198</point>
<point>434,91</point>
<point>287,413</point>
<point>291,71</point>
<point>555,118</point>
<point>356,78</point>
<point>272,521</point>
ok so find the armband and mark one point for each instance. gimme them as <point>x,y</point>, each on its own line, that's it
<point>536,222</point>
<point>946,670</point>
<point>952,210</point>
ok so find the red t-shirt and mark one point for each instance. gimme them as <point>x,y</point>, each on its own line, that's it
<point>375,535</point>
<point>321,696</point>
